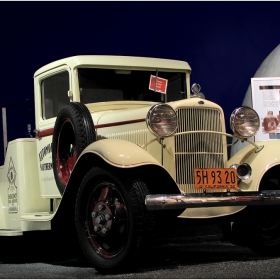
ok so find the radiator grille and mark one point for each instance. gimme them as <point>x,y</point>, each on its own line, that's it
<point>200,150</point>
<point>138,137</point>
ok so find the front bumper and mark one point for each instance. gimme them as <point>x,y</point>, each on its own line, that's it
<point>183,201</point>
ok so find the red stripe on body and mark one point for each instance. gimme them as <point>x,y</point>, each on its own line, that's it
<point>48,132</point>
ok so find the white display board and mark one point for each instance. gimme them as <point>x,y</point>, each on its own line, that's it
<point>266,101</point>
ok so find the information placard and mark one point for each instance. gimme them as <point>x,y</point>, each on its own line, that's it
<point>266,101</point>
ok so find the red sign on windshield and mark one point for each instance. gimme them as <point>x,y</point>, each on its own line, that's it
<point>161,84</point>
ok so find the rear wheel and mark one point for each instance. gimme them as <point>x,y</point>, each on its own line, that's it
<point>111,220</point>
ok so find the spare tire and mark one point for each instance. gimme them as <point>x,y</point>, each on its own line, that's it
<point>73,132</point>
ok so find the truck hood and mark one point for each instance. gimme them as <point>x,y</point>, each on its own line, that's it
<point>117,113</point>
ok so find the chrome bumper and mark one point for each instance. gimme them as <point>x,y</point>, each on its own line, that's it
<point>182,201</point>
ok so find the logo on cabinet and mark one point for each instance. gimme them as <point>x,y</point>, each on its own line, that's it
<point>12,190</point>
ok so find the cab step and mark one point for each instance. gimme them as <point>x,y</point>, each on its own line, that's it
<point>10,232</point>
<point>37,216</point>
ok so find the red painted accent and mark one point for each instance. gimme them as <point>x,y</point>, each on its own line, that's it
<point>44,133</point>
<point>64,162</point>
<point>48,132</point>
<point>118,123</point>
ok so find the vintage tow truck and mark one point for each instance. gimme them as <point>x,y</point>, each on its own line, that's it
<point>124,143</point>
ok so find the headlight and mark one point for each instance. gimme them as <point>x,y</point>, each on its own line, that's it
<point>162,120</point>
<point>243,170</point>
<point>245,122</point>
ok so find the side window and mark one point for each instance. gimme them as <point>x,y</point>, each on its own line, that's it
<point>54,91</point>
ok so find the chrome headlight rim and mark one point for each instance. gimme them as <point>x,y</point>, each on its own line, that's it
<point>152,126</point>
<point>240,124</point>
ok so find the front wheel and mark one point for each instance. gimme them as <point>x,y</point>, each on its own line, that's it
<point>260,225</point>
<point>264,230</point>
<point>111,220</point>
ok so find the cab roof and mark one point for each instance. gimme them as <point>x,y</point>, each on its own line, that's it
<point>106,61</point>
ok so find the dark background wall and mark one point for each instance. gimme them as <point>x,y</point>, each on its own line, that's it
<point>224,43</point>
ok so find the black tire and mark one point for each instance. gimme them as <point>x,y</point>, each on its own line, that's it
<point>112,221</point>
<point>264,230</point>
<point>260,225</point>
<point>73,132</point>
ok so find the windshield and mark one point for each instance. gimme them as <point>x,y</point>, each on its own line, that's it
<point>99,85</point>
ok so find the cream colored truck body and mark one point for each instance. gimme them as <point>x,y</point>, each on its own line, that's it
<point>29,196</point>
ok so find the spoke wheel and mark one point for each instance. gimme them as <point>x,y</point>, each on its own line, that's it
<point>112,222</point>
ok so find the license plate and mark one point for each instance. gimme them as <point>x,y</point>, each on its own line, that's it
<point>215,178</point>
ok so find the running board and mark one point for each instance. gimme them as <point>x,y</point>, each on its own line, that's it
<point>196,200</point>
<point>37,217</point>
<point>10,232</point>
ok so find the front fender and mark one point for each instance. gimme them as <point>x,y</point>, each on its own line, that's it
<point>120,153</point>
<point>122,157</point>
<point>260,161</point>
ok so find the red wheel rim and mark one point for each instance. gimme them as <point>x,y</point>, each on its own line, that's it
<point>106,222</point>
<point>66,153</point>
